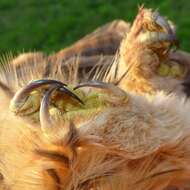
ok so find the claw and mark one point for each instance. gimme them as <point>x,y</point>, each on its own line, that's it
<point>70,93</point>
<point>27,100</point>
<point>47,124</point>
<point>151,37</point>
<point>163,23</point>
<point>97,84</point>
<point>45,119</point>
<point>34,85</point>
<point>155,18</point>
<point>22,96</point>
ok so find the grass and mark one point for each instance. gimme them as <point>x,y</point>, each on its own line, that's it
<point>50,25</point>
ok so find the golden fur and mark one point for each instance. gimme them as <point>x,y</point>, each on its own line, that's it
<point>121,148</point>
<point>137,64</point>
<point>141,143</point>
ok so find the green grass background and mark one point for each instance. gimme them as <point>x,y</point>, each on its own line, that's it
<point>50,25</point>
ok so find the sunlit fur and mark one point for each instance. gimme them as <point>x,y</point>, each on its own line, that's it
<point>140,144</point>
<point>137,63</point>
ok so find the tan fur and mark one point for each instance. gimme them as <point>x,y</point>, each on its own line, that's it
<point>121,148</point>
<point>137,63</point>
<point>140,144</point>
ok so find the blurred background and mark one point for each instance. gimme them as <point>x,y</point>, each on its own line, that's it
<point>50,25</point>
